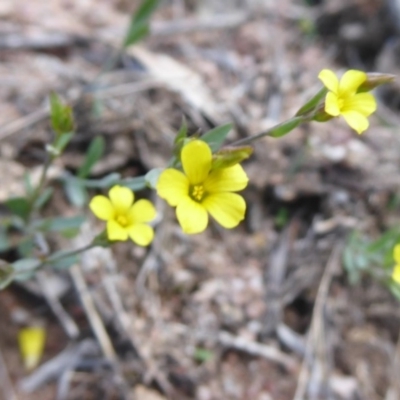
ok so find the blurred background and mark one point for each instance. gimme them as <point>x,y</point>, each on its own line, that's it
<point>224,314</point>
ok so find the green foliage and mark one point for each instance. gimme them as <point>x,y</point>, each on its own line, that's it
<point>202,355</point>
<point>152,177</point>
<point>139,26</point>
<point>282,217</point>
<point>62,120</point>
<point>25,268</point>
<point>373,257</point>
<point>216,137</point>
<point>19,206</point>
<point>59,224</point>
<point>230,156</point>
<point>312,103</point>
<point>43,198</point>
<point>76,192</point>
<point>62,260</point>
<point>6,274</point>
<point>60,143</point>
<point>285,127</point>
<point>94,153</point>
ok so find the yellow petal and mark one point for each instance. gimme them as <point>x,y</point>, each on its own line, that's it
<point>356,121</point>
<point>142,211</point>
<point>196,159</point>
<point>364,103</point>
<point>102,208</point>
<point>396,274</point>
<point>172,186</point>
<point>31,343</point>
<point>330,80</point>
<point>141,234</point>
<point>350,82</point>
<point>396,253</point>
<point>192,216</point>
<point>121,199</point>
<point>115,231</point>
<point>228,209</point>
<point>332,104</point>
<point>229,179</point>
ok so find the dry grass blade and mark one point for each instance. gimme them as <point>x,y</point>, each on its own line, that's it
<point>315,351</point>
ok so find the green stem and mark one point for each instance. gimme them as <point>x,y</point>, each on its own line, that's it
<point>39,187</point>
<point>49,260</point>
<point>276,131</point>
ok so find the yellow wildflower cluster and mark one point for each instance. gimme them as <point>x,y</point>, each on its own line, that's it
<point>203,186</point>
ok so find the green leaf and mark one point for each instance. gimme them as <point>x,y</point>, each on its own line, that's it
<point>60,115</point>
<point>202,355</point>
<point>139,26</point>
<point>134,184</point>
<point>286,127</point>
<point>230,156</point>
<point>61,142</point>
<point>25,247</point>
<point>394,287</point>
<point>28,185</point>
<point>59,224</point>
<point>76,193</point>
<point>312,103</point>
<point>152,177</point>
<point>19,206</point>
<point>216,136</point>
<point>182,134</point>
<point>25,268</point>
<point>6,274</point>
<point>94,153</point>
<point>65,262</point>
<point>103,183</point>
<point>43,198</point>
<point>4,242</point>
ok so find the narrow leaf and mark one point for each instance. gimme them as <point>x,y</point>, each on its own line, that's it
<point>139,26</point>
<point>286,127</point>
<point>19,206</point>
<point>75,192</point>
<point>312,103</point>
<point>215,137</point>
<point>94,153</point>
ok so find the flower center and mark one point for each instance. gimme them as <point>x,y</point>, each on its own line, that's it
<point>122,220</point>
<point>197,192</point>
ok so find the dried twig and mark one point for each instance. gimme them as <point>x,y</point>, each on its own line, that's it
<point>6,385</point>
<point>69,325</point>
<point>223,21</point>
<point>316,353</point>
<point>258,349</point>
<point>24,122</point>
<point>393,392</point>
<point>93,316</point>
<point>55,367</point>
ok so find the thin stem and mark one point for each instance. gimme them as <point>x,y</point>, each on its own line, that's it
<point>49,260</point>
<point>41,183</point>
<point>75,252</point>
<point>273,131</point>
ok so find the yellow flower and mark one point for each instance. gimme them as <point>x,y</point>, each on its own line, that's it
<point>31,343</point>
<point>125,218</point>
<point>396,270</point>
<point>343,99</point>
<point>198,190</point>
